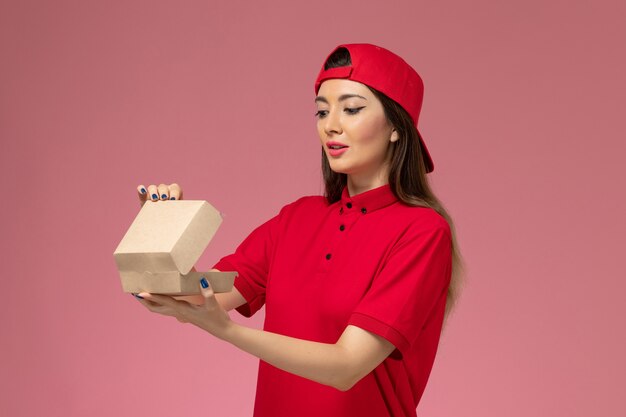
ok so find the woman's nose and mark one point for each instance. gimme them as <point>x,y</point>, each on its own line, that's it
<point>332,123</point>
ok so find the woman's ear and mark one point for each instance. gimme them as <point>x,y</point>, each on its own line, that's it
<point>394,135</point>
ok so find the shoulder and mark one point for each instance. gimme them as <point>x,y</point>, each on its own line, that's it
<point>307,202</point>
<point>312,199</point>
<point>303,212</point>
<point>423,220</point>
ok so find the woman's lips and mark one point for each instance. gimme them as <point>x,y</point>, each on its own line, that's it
<point>337,152</point>
<point>336,148</point>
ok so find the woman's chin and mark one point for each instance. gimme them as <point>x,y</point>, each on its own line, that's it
<point>340,170</point>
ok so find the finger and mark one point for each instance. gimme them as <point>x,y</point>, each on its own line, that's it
<point>143,194</point>
<point>209,296</point>
<point>144,298</point>
<point>160,309</point>
<point>162,300</point>
<point>153,192</point>
<point>163,192</point>
<point>154,307</point>
<point>176,193</point>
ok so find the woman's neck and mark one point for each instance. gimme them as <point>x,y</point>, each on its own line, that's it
<point>358,185</point>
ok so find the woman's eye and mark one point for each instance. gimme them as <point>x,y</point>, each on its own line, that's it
<point>320,114</point>
<point>353,110</point>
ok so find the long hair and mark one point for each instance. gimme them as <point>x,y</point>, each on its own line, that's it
<point>407,174</point>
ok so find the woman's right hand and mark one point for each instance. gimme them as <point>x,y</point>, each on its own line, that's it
<point>160,192</point>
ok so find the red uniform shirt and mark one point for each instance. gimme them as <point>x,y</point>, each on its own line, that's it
<point>368,260</point>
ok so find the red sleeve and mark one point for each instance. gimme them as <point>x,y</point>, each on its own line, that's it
<point>252,260</point>
<point>413,277</point>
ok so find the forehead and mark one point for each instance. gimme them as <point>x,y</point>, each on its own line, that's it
<point>335,87</point>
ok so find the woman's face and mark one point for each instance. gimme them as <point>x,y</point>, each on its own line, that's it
<point>350,115</point>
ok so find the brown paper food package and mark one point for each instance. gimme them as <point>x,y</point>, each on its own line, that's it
<point>163,243</point>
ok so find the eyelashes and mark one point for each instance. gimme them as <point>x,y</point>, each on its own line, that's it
<point>353,110</point>
<point>320,114</point>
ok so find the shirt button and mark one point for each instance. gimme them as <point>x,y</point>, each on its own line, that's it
<point>349,205</point>
<point>328,256</point>
<point>363,210</point>
<point>342,227</point>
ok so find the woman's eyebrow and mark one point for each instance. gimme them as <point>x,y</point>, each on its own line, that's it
<point>341,98</point>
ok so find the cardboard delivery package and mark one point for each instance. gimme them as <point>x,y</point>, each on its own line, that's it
<point>162,245</point>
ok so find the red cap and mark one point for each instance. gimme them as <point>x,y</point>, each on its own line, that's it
<point>386,72</point>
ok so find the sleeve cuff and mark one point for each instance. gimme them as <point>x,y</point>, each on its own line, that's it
<point>253,301</point>
<point>376,326</point>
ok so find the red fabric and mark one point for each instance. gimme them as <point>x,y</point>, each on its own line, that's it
<point>388,273</point>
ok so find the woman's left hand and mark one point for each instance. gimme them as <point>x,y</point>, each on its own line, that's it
<point>209,316</point>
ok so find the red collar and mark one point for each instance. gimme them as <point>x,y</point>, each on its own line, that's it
<point>367,201</point>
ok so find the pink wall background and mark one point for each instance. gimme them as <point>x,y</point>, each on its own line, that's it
<point>523,115</point>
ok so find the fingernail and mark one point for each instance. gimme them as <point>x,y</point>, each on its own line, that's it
<point>164,196</point>
<point>138,296</point>
<point>155,196</point>
<point>172,198</point>
<point>204,283</point>
<point>143,191</point>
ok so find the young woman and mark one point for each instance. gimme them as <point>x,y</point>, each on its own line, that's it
<point>356,283</point>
